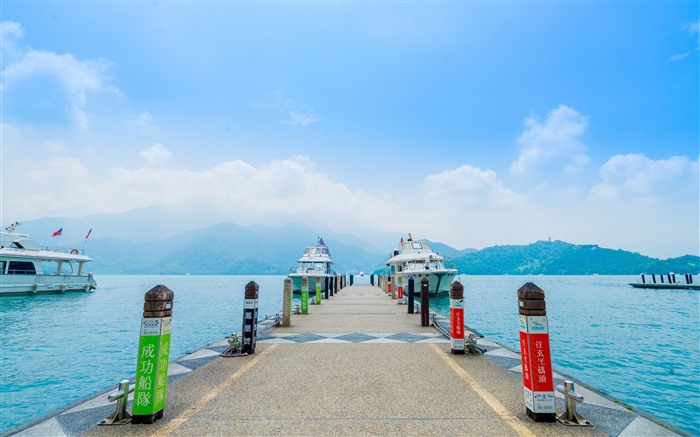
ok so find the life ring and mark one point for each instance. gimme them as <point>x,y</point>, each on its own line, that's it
<point>74,251</point>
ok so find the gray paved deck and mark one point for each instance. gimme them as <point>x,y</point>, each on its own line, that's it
<point>355,365</point>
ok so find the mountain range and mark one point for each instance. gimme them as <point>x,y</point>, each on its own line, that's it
<point>140,242</point>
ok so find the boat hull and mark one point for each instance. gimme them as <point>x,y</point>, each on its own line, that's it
<point>296,282</point>
<point>438,282</point>
<point>35,284</point>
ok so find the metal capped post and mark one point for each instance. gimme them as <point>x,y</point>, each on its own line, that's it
<point>411,295</point>
<point>250,318</point>
<point>153,356</point>
<point>424,303</point>
<point>538,385</point>
<point>457,317</point>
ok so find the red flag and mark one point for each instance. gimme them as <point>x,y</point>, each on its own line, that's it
<point>88,234</point>
<point>58,232</point>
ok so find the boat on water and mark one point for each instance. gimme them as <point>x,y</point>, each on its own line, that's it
<point>414,259</point>
<point>316,265</point>
<point>28,268</point>
<point>668,281</point>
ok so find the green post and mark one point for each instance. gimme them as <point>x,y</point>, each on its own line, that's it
<point>153,356</point>
<point>305,295</point>
<point>318,291</point>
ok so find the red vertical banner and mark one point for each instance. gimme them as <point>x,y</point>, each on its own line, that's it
<point>538,386</point>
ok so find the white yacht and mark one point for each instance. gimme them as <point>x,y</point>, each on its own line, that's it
<point>28,268</point>
<point>415,259</point>
<point>315,263</point>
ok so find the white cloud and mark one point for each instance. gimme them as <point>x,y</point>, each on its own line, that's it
<point>156,154</point>
<point>470,185</point>
<point>636,174</point>
<point>693,29</point>
<point>10,32</point>
<point>77,77</point>
<point>144,120</point>
<point>553,143</point>
<point>296,113</point>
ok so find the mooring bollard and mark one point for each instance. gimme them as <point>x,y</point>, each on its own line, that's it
<point>457,317</point>
<point>330,285</point>
<point>538,385</point>
<point>318,290</point>
<point>371,280</point>
<point>424,303</point>
<point>154,355</point>
<point>287,303</point>
<point>570,416</point>
<point>304,295</point>
<point>411,296</point>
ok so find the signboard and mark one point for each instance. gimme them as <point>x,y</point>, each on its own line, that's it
<point>457,324</point>
<point>152,366</point>
<point>538,386</point>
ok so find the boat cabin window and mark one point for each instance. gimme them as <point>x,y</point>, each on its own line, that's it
<point>405,246</point>
<point>2,267</point>
<point>21,268</point>
<point>416,245</point>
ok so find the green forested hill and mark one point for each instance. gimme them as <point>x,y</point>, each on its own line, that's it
<point>561,258</point>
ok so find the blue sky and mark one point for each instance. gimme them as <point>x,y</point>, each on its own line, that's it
<point>470,123</point>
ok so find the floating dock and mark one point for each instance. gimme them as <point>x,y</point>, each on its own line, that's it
<point>358,364</point>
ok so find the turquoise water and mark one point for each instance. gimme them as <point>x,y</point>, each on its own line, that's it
<point>641,346</point>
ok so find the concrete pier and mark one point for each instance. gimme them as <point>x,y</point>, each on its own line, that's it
<point>356,365</point>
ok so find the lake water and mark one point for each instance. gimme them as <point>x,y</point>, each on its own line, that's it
<point>641,346</point>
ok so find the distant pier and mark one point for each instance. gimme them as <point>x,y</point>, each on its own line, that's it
<point>358,364</point>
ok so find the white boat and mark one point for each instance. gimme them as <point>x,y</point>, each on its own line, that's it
<point>414,259</point>
<point>28,268</point>
<point>315,263</point>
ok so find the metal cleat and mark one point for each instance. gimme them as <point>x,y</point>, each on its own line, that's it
<point>234,347</point>
<point>471,346</point>
<point>120,416</point>
<point>570,416</point>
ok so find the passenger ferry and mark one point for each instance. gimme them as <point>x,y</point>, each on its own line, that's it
<point>315,263</point>
<point>415,259</point>
<point>28,268</point>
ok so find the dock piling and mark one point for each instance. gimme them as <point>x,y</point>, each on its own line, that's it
<point>287,303</point>
<point>153,357</point>
<point>535,354</point>
<point>250,318</point>
<point>457,318</point>
<point>424,303</point>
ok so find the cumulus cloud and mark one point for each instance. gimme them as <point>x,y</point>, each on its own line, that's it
<point>636,174</point>
<point>77,77</point>
<point>554,142</point>
<point>156,154</point>
<point>472,185</point>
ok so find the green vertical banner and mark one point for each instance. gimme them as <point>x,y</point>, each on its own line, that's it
<point>318,290</point>
<point>304,295</point>
<point>152,369</point>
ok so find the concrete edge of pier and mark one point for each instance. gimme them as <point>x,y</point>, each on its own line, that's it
<point>608,415</point>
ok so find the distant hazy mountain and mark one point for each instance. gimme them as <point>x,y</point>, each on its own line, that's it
<point>155,241</point>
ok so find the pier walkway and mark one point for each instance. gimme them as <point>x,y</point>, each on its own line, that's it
<point>357,364</point>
